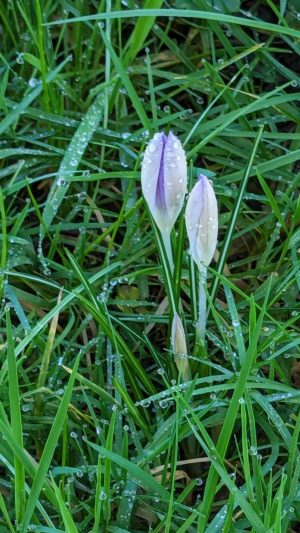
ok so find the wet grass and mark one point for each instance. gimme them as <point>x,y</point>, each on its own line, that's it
<point>97,432</point>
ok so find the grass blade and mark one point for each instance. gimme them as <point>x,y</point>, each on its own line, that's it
<point>48,451</point>
<point>16,421</point>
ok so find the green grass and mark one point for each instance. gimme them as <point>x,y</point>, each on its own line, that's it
<point>97,431</point>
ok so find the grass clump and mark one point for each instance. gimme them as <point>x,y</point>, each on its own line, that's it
<point>98,432</point>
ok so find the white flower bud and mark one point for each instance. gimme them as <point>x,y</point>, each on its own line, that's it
<point>164,179</point>
<point>201,219</point>
<point>179,347</point>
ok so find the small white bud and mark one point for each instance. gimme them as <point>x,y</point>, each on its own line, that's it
<point>201,218</point>
<point>179,347</point>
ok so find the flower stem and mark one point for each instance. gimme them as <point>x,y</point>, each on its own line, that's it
<point>201,326</point>
<point>166,237</point>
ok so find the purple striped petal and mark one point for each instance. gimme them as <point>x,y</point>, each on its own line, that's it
<point>160,197</point>
<point>164,178</point>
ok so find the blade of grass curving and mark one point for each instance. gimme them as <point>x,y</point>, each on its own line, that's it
<point>238,333</point>
<point>5,514</point>
<point>46,358</point>
<point>99,311</point>
<point>274,417</point>
<point>98,501</point>
<point>132,409</point>
<point>174,48</point>
<point>271,199</point>
<point>217,464</point>
<point>123,348</point>
<point>38,212</point>
<point>174,442</point>
<point>11,295</point>
<point>29,463</point>
<point>107,468</point>
<point>62,305</point>
<point>151,90</point>
<point>102,393</point>
<point>227,527</point>
<point>217,524</point>
<point>231,226</point>
<point>127,84</point>
<point>127,505</point>
<point>277,510</point>
<point>25,103</point>
<point>268,505</point>
<point>212,128</point>
<point>208,108</point>
<point>186,13</point>
<point>71,161</point>
<point>245,452</point>
<point>140,32</point>
<point>65,513</point>
<point>292,494</point>
<point>145,480</point>
<point>232,411</point>
<point>136,41</point>
<point>40,45</point>
<point>256,465</point>
<point>48,451</point>
<point>3,241</point>
<point>82,277</point>
<point>294,454</point>
<point>267,166</point>
<point>16,420</point>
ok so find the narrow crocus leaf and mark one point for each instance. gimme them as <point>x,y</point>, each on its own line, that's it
<point>164,179</point>
<point>180,350</point>
<point>201,218</point>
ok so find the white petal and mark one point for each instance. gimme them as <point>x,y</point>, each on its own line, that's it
<point>202,222</point>
<point>150,168</point>
<point>175,179</point>
<point>178,336</point>
<point>175,168</point>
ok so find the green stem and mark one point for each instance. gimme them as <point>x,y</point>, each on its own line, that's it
<point>41,50</point>
<point>201,325</point>
<point>166,237</point>
<point>4,241</point>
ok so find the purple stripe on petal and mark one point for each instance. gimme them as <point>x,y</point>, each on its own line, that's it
<point>160,198</point>
<point>201,180</point>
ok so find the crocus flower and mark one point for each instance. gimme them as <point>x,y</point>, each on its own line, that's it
<point>164,178</point>
<point>179,347</point>
<point>201,218</point>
